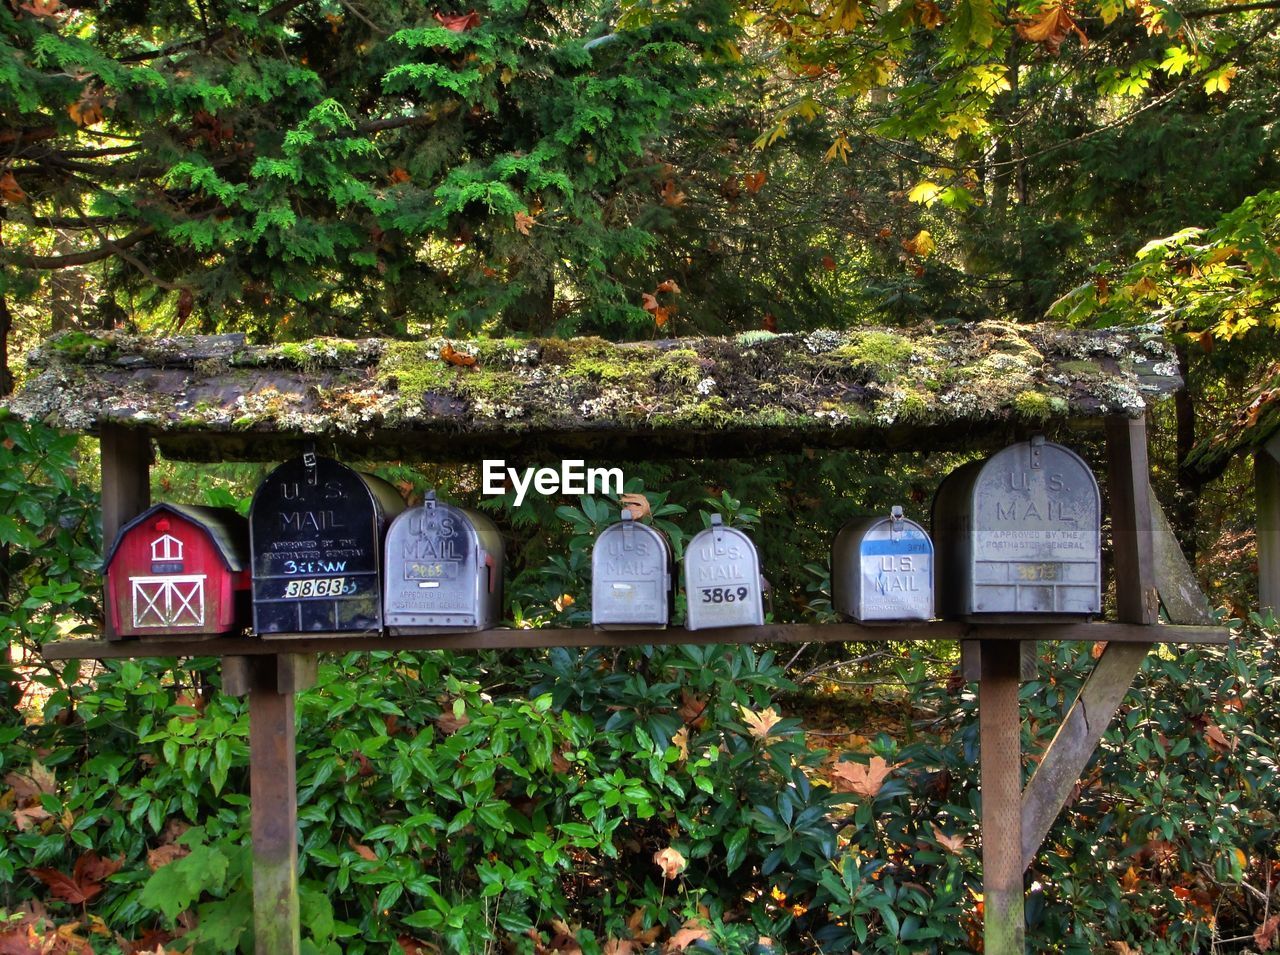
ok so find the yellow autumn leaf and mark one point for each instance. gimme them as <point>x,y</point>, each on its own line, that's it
<point>760,724</point>
<point>926,193</point>
<point>924,244</point>
<point>840,149</point>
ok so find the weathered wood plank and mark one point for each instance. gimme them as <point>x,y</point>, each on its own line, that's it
<point>584,637</point>
<point>273,791</point>
<point>1180,594</point>
<point>1074,743</point>
<point>1131,538</point>
<point>1000,739</point>
<point>126,484</point>
<point>1266,482</point>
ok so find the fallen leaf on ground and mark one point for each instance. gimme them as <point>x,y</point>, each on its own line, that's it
<point>455,357</point>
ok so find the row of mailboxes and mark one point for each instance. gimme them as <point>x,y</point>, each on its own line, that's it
<point>327,549</point>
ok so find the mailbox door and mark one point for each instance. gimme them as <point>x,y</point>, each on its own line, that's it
<point>630,577</point>
<point>1036,533</point>
<point>316,551</point>
<point>895,572</point>
<point>722,580</point>
<point>435,574</point>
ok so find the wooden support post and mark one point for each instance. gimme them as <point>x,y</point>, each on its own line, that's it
<point>1000,737</point>
<point>1128,475</point>
<point>971,660</point>
<point>273,793</point>
<point>1266,481</point>
<point>126,484</point>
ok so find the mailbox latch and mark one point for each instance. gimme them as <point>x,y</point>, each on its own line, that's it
<point>1037,449</point>
<point>896,525</point>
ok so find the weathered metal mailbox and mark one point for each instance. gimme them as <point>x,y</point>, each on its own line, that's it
<point>882,569</point>
<point>316,530</point>
<point>630,576</point>
<point>1019,533</point>
<point>179,569</point>
<point>444,570</point>
<point>722,579</point>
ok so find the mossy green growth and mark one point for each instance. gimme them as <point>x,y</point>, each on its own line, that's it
<point>1038,406</point>
<point>884,354</point>
<point>78,344</point>
<point>417,368</point>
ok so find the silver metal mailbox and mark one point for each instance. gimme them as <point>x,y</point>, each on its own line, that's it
<point>882,569</point>
<point>722,579</point>
<point>630,576</point>
<point>1019,533</point>
<point>443,570</point>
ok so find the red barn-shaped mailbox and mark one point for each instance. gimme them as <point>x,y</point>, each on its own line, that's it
<point>179,569</point>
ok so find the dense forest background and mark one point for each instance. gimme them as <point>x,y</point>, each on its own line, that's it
<point>635,170</point>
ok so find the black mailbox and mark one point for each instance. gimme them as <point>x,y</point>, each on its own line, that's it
<point>444,570</point>
<point>316,530</point>
<point>1019,534</point>
<point>630,576</point>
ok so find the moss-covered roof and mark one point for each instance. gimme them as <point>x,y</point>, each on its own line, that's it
<point>1254,426</point>
<point>216,397</point>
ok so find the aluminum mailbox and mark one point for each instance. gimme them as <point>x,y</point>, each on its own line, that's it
<point>722,579</point>
<point>630,576</point>
<point>443,570</point>
<point>882,569</point>
<point>316,530</point>
<point>1019,533</point>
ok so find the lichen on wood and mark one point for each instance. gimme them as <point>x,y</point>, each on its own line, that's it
<point>216,396</point>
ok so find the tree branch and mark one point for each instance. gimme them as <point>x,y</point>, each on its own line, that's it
<point>1233,8</point>
<point>277,12</point>
<point>105,251</point>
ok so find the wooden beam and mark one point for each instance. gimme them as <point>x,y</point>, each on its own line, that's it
<point>1180,594</point>
<point>586,637</point>
<point>126,484</point>
<point>1074,743</point>
<point>273,795</point>
<point>1131,538</point>
<point>1000,739</point>
<point>1266,482</point>
<point>1137,602</point>
<point>971,660</point>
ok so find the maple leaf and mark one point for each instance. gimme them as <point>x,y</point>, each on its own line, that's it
<point>828,263</point>
<point>1265,935</point>
<point>754,181</point>
<point>1218,739</point>
<point>42,8</point>
<point>455,357</point>
<point>642,936</point>
<point>661,315</point>
<point>10,191</point>
<point>863,780</point>
<point>760,724</point>
<point>65,887</point>
<point>398,175</point>
<point>87,111</point>
<point>1123,948</point>
<point>692,707</point>
<point>1051,27</point>
<point>649,302</point>
<point>921,244</point>
<point>668,285</point>
<point>161,856</point>
<point>458,22</point>
<point>524,222</point>
<point>637,504</point>
<point>671,196</point>
<point>692,931</point>
<point>617,946</point>
<point>681,742</point>
<point>29,817</point>
<point>953,844</point>
<point>670,861</point>
<point>363,851</point>
<point>929,14</point>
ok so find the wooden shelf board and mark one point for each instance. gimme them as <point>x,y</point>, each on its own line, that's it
<point>588,637</point>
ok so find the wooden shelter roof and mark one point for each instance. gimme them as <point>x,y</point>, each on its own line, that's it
<point>216,397</point>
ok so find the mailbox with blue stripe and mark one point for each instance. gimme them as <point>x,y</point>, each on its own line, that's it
<point>882,569</point>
